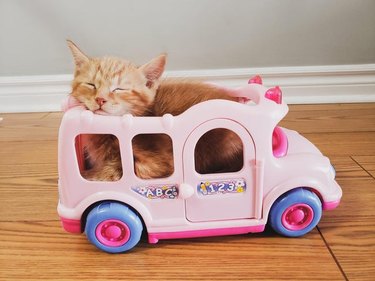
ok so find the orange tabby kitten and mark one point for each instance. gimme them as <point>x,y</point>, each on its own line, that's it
<point>113,86</point>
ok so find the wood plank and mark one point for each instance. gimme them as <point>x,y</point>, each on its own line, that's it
<point>29,204</point>
<point>367,162</point>
<point>350,230</point>
<point>19,174</point>
<point>40,250</point>
<point>346,168</point>
<point>30,126</point>
<point>344,144</point>
<point>28,152</point>
<point>331,118</point>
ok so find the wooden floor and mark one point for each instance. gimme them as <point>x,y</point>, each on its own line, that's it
<point>33,246</point>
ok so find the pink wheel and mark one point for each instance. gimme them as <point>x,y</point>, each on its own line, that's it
<point>297,217</point>
<point>112,233</point>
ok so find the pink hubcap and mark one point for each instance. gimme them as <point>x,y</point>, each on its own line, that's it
<point>297,217</point>
<point>112,233</point>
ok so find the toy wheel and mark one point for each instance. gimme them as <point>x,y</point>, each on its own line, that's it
<point>113,227</point>
<point>296,213</point>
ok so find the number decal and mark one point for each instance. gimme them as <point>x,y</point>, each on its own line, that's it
<point>222,187</point>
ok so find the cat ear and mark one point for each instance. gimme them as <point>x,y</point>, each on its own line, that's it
<point>79,57</point>
<point>154,69</point>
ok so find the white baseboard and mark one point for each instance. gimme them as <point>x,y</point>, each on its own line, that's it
<point>308,84</point>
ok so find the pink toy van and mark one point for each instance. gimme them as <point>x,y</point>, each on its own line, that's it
<point>285,180</point>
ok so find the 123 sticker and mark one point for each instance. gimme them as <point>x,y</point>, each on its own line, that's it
<point>222,187</point>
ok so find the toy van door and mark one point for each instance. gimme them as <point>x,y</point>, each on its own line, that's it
<point>224,196</point>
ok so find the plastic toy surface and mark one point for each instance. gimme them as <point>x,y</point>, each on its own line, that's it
<point>285,180</point>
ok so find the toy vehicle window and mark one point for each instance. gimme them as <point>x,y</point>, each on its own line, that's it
<point>219,151</point>
<point>153,156</point>
<point>99,157</point>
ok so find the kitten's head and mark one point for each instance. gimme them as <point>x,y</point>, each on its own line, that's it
<point>113,86</point>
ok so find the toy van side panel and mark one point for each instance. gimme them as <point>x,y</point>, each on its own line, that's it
<point>76,212</point>
<point>75,190</point>
<point>308,166</point>
<point>163,207</point>
<point>288,173</point>
<point>159,213</point>
<point>313,185</point>
<point>299,144</point>
<point>186,226</point>
<point>68,167</point>
<point>234,192</point>
<point>78,121</point>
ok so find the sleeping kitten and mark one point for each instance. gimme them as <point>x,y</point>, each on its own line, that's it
<point>113,86</point>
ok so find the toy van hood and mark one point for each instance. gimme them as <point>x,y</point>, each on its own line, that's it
<point>298,144</point>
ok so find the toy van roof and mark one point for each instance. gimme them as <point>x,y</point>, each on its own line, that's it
<point>261,114</point>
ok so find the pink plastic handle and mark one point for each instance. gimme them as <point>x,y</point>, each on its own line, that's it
<point>256,80</point>
<point>274,94</point>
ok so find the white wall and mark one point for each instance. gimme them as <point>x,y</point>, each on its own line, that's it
<point>197,34</point>
<point>318,51</point>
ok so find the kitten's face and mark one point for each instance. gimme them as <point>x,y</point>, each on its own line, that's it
<point>112,86</point>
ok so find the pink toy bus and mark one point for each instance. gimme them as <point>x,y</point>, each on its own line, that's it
<point>285,180</point>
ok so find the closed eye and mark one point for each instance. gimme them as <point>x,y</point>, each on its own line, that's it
<point>91,85</point>
<point>118,90</point>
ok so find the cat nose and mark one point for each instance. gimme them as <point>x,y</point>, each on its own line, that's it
<point>100,101</point>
